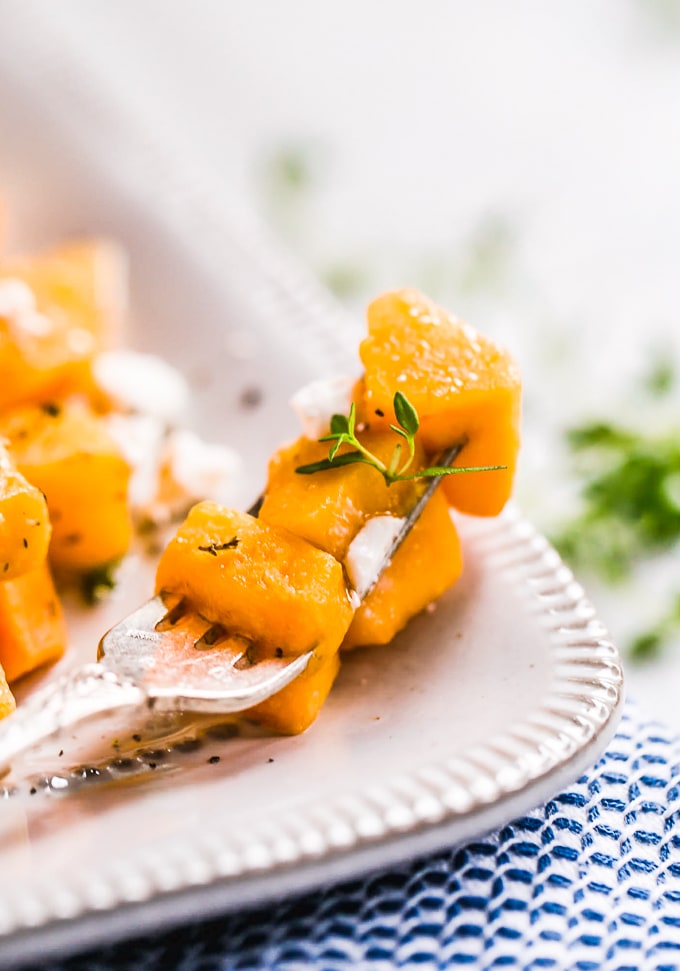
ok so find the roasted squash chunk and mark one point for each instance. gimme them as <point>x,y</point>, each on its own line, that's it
<point>24,522</point>
<point>32,628</point>
<point>56,311</point>
<point>464,386</point>
<point>67,453</point>
<point>269,586</point>
<point>425,566</point>
<point>294,709</point>
<point>39,358</point>
<point>257,580</point>
<point>329,508</point>
<point>83,282</point>
<point>7,702</point>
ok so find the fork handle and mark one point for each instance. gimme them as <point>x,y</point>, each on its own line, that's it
<point>90,690</point>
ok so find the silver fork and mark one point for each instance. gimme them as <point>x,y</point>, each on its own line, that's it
<point>131,672</point>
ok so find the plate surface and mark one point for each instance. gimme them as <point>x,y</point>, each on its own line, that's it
<point>482,709</point>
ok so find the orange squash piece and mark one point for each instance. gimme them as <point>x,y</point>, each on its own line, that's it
<point>82,282</point>
<point>293,710</point>
<point>66,452</point>
<point>425,566</point>
<point>7,702</point>
<point>32,627</point>
<point>329,508</point>
<point>78,294</point>
<point>464,386</point>
<point>258,581</point>
<point>24,522</point>
<point>271,587</point>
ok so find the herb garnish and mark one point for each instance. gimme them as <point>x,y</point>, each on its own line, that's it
<point>630,511</point>
<point>343,432</point>
<point>215,548</point>
<point>98,583</point>
<point>631,495</point>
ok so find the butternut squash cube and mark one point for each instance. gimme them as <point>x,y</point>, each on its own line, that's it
<point>329,508</point>
<point>464,386</point>
<point>425,566</point>
<point>7,702</point>
<point>66,452</point>
<point>24,522</point>
<point>32,627</point>
<point>258,581</point>
<point>294,709</point>
<point>82,281</point>
<point>56,310</point>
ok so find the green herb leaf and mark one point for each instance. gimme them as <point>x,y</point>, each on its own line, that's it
<point>436,470</point>
<point>339,425</point>
<point>324,465</point>
<point>351,420</point>
<point>334,448</point>
<point>406,414</point>
<point>98,583</point>
<point>394,461</point>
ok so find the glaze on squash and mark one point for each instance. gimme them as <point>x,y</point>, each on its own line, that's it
<point>464,386</point>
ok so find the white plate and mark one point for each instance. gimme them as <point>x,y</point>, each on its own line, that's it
<point>479,711</point>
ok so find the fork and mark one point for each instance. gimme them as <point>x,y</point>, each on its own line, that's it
<point>128,675</point>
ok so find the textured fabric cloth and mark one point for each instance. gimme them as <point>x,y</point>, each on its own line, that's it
<point>589,881</point>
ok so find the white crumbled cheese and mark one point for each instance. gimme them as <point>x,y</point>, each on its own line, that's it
<point>317,402</point>
<point>18,309</point>
<point>79,341</point>
<point>192,470</point>
<point>142,382</point>
<point>16,298</point>
<point>171,470</point>
<point>369,548</point>
<point>140,440</point>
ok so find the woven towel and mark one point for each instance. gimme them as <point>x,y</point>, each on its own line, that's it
<point>589,881</point>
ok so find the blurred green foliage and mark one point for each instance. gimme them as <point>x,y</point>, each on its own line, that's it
<point>630,504</point>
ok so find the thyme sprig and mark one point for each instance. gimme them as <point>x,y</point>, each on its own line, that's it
<point>343,431</point>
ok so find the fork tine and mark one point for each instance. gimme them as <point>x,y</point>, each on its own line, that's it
<point>173,616</point>
<point>140,645</point>
<point>215,633</point>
